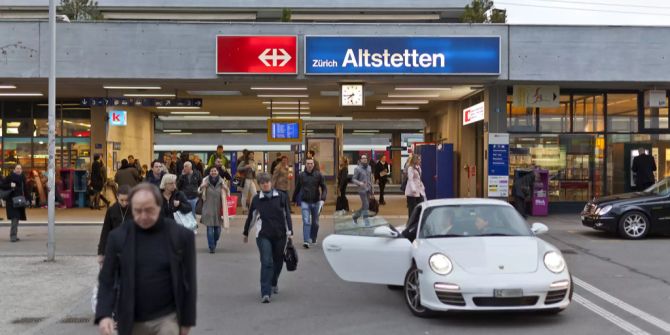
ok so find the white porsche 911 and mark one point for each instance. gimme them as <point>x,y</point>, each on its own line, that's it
<point>459,254</point>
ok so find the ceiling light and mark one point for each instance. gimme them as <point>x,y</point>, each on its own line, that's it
<point>189,113</point>
<point>222,93</point>
<point>283,95</point>
<point>411,102</point>
<point>178,107</point>
<point>132,87</point>
<point>286,102</point>
<point>291,113</point>
<point>423,88</point>
<point>366,131</point>
<point>328,118</point>
<point>397,107</point>
<point>290,117</point>
<point>414,95</point>
<point>233,131</point>
<point>157,95</point>
<point>172,131</point>
<point>21,94</point>
<point>279,88</point>
<point>189,116</point>
<point>181,134</point>
<point>330,93</point>
<point>288,108</point>
<point>6,86</point>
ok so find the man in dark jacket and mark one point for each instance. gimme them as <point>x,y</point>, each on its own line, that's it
<point>269,212</point>
<point>644,167</point>
<point>152,260</point>
<point>156,174</point>
<point>127,175</point>
<point>313,187</point>
<point>114,217</point>
<point>188,182</point>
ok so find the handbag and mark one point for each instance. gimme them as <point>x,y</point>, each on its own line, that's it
<point>198,207</point>
<point>290,256</point>
<point>185,220</point>
<point>19,201</point>
<point>373,208</point>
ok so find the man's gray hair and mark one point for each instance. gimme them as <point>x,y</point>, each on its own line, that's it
<point>189,164</point>
<point>263,178</point>
<point>147,187</point>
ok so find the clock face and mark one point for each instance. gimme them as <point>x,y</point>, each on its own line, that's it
<point>352,95</point>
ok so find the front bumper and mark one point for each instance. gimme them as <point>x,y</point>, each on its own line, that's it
<point>604,223</point>
<point>476,293</point>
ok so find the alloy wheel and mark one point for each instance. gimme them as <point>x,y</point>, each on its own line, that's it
<point>635,225</point>
<point>413,291</point>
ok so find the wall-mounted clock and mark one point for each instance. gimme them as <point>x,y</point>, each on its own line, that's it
<point>352,95</point>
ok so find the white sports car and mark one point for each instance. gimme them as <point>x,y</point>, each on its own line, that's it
<point>459,254</point>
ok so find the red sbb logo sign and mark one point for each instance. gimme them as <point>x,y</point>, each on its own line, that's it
<point>256,54</point>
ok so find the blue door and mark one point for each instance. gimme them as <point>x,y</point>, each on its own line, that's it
<point>445,171</point>
<point>428,168</point>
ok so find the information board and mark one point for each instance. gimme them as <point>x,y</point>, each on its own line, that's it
<point>284,130</point>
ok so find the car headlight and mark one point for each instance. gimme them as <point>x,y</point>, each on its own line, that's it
<point>554,262</point>
<point>604,210</point>
<point>440,264</point>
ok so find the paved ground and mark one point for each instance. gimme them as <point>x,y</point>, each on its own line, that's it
<point>622,287</point>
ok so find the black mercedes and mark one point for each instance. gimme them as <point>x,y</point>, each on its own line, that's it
<point>631,215</point>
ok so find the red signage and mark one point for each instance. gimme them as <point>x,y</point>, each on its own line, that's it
<point>256,55</point>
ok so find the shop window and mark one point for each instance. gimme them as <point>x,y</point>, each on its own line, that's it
<point>18,119</point>
<point>618,147</point>
<point>574,162</point>
<point>40,153</point>
<point>41,118</point>
<point>656,118</point>
<point>520,119</point>
<point>622,113</point>
<point>76,153</point>
<point>76,122</point>
<point>588,113</point>
<point>16,151</point>
<point>556,120</point>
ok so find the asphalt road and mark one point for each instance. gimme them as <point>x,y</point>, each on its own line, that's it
<point>622,287</point>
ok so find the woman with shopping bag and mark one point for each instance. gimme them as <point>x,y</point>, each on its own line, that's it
<point>175,204</point>
<point>214,192</point>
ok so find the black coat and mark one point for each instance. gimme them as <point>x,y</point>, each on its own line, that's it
<point>644,167</point>
<point>313,187</point>
<point>97,176</point>
<point>113,219</point>
<point>169,209</point>
<point>189,183</point>
<point>19,189</point>
<point>120,261</point>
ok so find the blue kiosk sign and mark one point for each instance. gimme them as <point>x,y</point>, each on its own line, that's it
<point>395,55</point>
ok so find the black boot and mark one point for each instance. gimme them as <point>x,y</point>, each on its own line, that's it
<point>13,230</point>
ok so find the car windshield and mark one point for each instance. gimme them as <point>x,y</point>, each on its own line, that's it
<point>660,188</point>
<point>472,221</point>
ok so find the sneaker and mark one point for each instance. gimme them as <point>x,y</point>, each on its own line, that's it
<point>313,244</point>
<point>265,299</point>
<point>305,245</point>
<point>211,251</point>
<point>275,290</point>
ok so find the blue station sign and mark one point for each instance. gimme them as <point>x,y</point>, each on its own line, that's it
<point>395,55</point>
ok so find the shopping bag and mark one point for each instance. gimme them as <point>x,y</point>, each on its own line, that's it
<point>290,256</point>
<point>374,206</point>
<point>232,205</point>
<point>186,220</point>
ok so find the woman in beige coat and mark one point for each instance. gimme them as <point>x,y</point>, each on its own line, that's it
<point>214,192</point>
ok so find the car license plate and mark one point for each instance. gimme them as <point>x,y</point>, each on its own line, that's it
<point>508,293</point>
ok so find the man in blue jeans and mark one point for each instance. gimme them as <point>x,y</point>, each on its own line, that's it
<point>313,187</point>
<point>269,213</point>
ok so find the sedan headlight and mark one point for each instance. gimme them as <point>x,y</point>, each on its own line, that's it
<point>440,264</point>
<point>554,262</point>
<point>604,210</point>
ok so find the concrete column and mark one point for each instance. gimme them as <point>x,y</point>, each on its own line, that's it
<point>396,159</point>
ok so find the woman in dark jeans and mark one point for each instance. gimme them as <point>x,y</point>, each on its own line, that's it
<point>16,182</point>
<point>342,182</point>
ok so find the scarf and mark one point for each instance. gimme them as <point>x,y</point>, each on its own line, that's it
<point>213,180</point>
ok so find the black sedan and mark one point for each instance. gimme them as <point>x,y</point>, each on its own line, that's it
<point>631,215</point>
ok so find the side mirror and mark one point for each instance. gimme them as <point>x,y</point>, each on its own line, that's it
<point>539,228</point>
<point>385,231</point>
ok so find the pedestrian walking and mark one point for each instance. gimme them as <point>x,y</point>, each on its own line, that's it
<point>173,199</point>
<point>183,158</point>
<point>522,191</point>
<point>189,183</point>
<point>169,165</point>
<point>218,155</point>
<point>269,213</point>
<point>280,175</point>
<point>127,175</point>
<point>156,174</point>
<point>223,172</point>
<point>132,161</point>
<point>415,190</point>
<point>312,155</point>
<point>312,185</point>
<point>247,170</point>
<point>644,167</point>
<point>381,175</point>
<point>198,165</point>
<point>342,204</point>
<point>148,277</point>
<point>115,216</point>
<point>214,208</point>
<point>363,178</point>
<point>16,209</point>
<point>276,162</point>
<point>97,182</point>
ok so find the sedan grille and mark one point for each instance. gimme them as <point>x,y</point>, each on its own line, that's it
<point>590,208</point>
<point>451,298</point>
<point>505,302</point>
<point>554,297</point>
